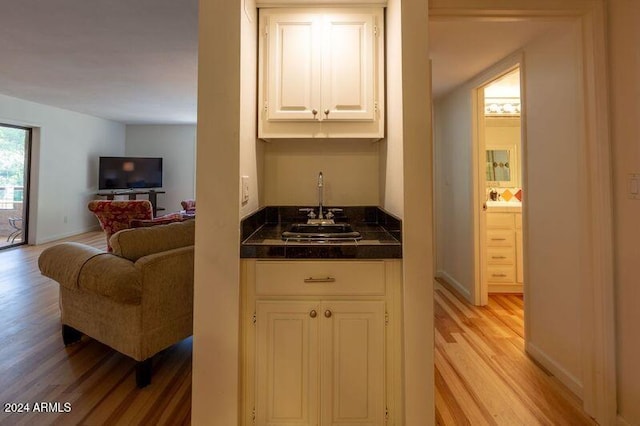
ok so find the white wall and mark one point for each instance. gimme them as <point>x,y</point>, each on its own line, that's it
<point>176,145</point>
<point>251,150</point>
<point>454,189</point>
<point>391,148</point>
<point>66,147</point>
<point>554,202</point>
<point>624,34</point>
<point>350,170</point>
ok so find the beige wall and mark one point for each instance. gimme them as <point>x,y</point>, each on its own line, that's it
<point>350,169</point>
<point>624,36</point>
<point>217,277</point>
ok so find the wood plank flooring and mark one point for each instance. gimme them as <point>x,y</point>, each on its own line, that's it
<point>482,375</point>
<point>98,382</point>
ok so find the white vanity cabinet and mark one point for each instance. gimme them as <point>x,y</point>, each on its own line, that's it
<point>321,343</point>
<point>321,73</point>
<point>503,265</point>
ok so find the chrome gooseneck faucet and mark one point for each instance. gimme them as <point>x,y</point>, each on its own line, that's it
<point>320,193</point>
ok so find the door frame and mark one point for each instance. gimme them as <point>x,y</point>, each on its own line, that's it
<point>597,297</point>
<point>26,197</point>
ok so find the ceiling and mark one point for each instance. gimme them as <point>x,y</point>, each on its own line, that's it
<point>461,49</point>
<point>135,61</point>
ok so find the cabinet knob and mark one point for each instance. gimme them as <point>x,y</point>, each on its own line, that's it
<point>327,313</point>
<point>313,313</point>
<point>326,112</point>
<point>314,112</point>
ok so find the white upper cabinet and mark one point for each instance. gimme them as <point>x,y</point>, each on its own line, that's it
<point>321,73</point>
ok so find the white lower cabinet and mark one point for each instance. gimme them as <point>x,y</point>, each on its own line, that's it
<point>320,362</point>
<point>321,343</point>
<point>504,260</point>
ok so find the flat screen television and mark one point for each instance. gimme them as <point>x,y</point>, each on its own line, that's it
<point>129,173</point>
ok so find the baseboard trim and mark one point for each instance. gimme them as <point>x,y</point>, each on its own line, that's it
<point>57,237</point>
<point>566,378</point>
<point>455,284</point>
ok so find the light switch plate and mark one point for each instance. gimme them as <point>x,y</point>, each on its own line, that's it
<point>634,186</point>
<point>245,188</point>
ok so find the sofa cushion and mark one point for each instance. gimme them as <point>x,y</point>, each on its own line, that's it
<point>135,243</point>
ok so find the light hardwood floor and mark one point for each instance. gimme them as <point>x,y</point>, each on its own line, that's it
<point>483,376</point>
<point>97,381</point>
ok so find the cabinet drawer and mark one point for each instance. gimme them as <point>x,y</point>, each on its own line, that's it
<point>500,256</point>
<point>500,220</point>
<point>500,238</point>
<point>501,274</point>
<point>320,278</point>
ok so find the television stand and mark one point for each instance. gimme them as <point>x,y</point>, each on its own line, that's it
<point>133,195</point>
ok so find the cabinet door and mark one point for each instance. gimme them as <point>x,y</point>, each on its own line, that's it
<point>293,66</point>
<point>287,363</point>
<point>348,74</point>
<point>352,360</point>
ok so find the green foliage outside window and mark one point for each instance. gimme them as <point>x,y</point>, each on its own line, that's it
<point>12,156</point>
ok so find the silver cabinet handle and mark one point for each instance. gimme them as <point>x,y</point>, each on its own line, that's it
<point>327,313</point>
<point>320,280</point>
<point>313,313</point>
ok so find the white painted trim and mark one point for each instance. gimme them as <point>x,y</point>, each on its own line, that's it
<point>598,308</point>
<point>454,283</point>
<point>554,368</point>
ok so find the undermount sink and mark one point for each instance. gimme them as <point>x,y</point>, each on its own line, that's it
<point>321,232</point>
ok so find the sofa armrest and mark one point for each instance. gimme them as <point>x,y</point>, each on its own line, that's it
<point>63,262</point>
<point>80,267</point>
<point>167,285</point>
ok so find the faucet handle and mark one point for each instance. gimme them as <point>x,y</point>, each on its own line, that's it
<point>329,215</point>
<point>309,211</point>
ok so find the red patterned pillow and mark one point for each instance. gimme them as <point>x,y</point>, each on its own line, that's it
<point>162,220</point>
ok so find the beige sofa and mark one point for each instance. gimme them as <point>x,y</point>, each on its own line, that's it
<point>137,299</point>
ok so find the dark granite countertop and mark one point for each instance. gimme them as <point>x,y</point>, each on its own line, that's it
<point>262,230</point>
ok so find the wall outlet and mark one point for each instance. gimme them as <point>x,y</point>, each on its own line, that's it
<point>245,189</point>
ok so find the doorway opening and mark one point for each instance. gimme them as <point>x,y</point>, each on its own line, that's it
<point>499,184</point>
<point>15,152</point>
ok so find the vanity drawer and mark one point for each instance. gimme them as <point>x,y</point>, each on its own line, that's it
<point>320,278</point>
<point>500,256</point>
<point>501,274</point>
<point>500,220</point>
<point>500,238</point>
